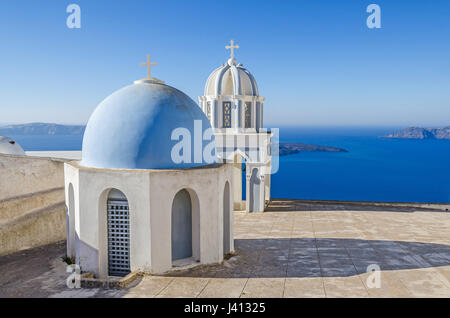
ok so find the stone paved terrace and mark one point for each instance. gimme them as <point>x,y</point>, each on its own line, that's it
<point>295,249</point>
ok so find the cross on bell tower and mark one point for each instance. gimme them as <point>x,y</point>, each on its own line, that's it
<point>232,47</point>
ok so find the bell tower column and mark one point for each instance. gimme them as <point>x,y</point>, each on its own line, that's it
<point>213,112</point>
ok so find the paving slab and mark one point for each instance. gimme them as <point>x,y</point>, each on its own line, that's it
<point>304,288</point>
<point>264,288</point>
<point>224,288</point>
<point>184,287</point>
<point>150,286</point>
<point>340,287</point>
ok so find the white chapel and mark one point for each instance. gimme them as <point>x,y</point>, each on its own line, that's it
<point>131,205</point>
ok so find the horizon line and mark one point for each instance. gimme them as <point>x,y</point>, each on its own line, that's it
<point>267,125</point>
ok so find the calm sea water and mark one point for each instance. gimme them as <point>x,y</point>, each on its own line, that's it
<point>374,169</point>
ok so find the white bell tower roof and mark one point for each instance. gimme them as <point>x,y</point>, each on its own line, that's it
<point>231,79</point>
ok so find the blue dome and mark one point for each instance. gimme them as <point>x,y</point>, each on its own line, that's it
<point>132,129</point>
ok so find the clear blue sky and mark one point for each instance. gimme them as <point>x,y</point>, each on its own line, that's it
<point>316,62</point>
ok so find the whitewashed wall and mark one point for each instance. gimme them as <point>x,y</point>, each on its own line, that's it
<point>150,195</point>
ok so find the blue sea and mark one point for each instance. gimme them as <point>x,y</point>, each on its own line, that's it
<point>373,169</point>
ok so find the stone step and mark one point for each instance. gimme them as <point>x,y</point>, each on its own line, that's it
<point>16,207</point>
<point>39,227</point>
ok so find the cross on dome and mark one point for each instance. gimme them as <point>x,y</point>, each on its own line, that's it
<point>232,47</point>
<point>149,65</point>
<point>149,78</point>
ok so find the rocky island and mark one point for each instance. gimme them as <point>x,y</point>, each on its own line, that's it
<point>421,133</point>
<point>293,148</point>
<point>42,129</point>
<point>58,129</point>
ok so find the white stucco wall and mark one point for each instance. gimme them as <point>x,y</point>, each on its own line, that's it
<point>208,185</point>
<point>253,147</point>
<point>150,194</point>
<point>91,187</point>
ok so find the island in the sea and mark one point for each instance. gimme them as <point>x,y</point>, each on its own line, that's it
<point>421,133</point>
<point>293,148</point>
<point>41,129</point>
<point>58,129</point>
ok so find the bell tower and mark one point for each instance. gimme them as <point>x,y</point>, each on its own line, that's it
<point>232,103</point>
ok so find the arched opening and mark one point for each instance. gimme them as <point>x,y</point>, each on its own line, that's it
<point>182,233</point>
<point>255,184</point>
<point>70,219</point>
<point>248,115</point>
<point>239,182</point>
<point>118,234</point>
<point>226,219</point>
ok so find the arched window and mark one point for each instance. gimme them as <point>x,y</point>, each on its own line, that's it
<point>248,115</point>
<point>118,234</point>
<point>208,110</point>
<point>258,123</point>
<point>226,114</point>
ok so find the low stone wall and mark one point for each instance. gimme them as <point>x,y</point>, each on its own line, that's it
<point>302,204</point>
<point>23,175</point>
<point>34,229</point>
<point>32,209</point>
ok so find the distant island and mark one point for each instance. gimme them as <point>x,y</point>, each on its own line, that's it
<point>293,148</point>
<point>58,129</point>
<point>421,133</point>
<point>41,129</point>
